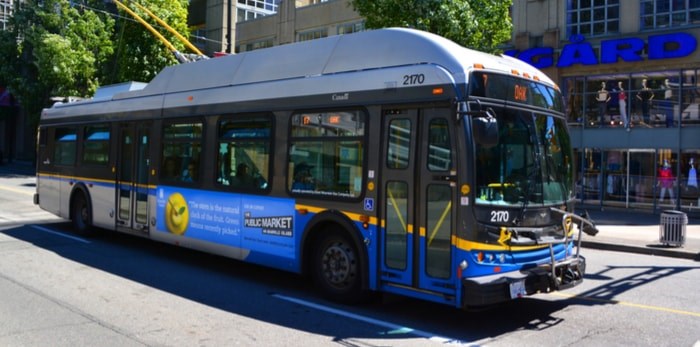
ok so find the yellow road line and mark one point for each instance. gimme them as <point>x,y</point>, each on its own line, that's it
<point>17,190</point>
<point>630,304</point>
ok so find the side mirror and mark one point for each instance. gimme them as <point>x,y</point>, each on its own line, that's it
<point>484,123</point>
<point>485,129</point>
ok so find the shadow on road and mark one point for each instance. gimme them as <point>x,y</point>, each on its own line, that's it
<point>235,287</point>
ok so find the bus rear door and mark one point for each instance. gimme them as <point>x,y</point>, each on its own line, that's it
<point>132,176</point>
<point>418,192</point>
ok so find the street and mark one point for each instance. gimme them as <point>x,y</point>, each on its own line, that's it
<point>60,289</point>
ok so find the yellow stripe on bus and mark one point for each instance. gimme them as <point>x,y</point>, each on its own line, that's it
<point>355,217</point>
<point>467,245</point>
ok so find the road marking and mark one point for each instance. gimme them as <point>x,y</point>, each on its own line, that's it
<point>59,234</point>
<point>624,303</point>
<point>393,328</point>
<point>17,190</point>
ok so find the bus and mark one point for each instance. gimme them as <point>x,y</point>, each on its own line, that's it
<point>391,161</point>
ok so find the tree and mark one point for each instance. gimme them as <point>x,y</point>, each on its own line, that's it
<point>53,49</point>
<point>140,55</point>
<point>479,24</point>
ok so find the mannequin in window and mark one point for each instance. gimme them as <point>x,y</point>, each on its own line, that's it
<point>645,95</point>
<point>602,97</point>
<point>665,181</point>
<point>692,187</point>
<point>692,174</point>
<point>622,101</point>
<point>668,102</point>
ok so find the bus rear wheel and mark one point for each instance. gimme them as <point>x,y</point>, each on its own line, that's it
<point>81,216</point>
<point>337,268</point>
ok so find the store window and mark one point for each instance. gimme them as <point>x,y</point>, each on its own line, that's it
<point>620,177</point>
<point>669,13</point>
<point>615,177</point>
<point>654,99</point>
<point>641,177</point>
<point>592,180</point>
<point>689,111</point>
<point>666,178</point>
<point>689,188</point>
<point>593,17</point>
<point>574,88</point>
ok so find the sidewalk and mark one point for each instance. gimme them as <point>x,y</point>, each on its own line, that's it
<point>622,230</point>
<point>638,232</point>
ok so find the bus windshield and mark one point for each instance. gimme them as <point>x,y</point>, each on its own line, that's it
<point>530,165</point>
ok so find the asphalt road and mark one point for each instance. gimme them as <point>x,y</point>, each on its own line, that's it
<point>59,289</point>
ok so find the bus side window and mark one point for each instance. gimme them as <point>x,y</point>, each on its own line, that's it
<point>182,147</point>
<point>244,152</point>
<point>326,153</point>
<point>65,146</point>
<point>170,170</point>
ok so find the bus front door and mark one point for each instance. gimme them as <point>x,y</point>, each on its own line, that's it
<point>132,176</point>
<point>418,192</point>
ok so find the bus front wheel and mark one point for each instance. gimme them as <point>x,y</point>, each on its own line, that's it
<point>81,215</point>
<point>337,268</point>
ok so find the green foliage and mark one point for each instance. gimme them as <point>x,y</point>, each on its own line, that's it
<point>53,49</point>
<point>479,24</point>
<point>140,55</point>
<point>60,48</point>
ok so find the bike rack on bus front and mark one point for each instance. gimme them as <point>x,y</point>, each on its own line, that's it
<point>585,225</point>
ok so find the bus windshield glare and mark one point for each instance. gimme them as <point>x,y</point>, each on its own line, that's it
<point>531,164</point>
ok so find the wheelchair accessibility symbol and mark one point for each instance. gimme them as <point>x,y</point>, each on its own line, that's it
<point>369,204</point>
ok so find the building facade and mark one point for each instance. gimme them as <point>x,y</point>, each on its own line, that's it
<point>5,12</point>
<point>256,24</point>
<point>629,71</point>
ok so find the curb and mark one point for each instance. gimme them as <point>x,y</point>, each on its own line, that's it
<point>663,252</point>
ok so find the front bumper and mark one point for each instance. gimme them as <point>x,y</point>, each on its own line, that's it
<point>494,289</point>
<point>543,278</point>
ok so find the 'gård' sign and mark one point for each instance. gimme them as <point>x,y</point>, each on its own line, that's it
<point>659,47</point>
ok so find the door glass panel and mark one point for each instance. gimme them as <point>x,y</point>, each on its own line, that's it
<point>125,174</point>
<point>439,149</point>
<point>142,177</point>
<point>439,225</point>
<point>399,144</point>
<point>396,245</point>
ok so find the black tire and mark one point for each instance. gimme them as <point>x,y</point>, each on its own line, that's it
<point>338,270</point>
<point>81,215</point>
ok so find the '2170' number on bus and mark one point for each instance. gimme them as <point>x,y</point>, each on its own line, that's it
<point>413,79</point>
<point>499,216</point>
